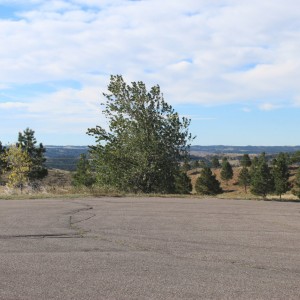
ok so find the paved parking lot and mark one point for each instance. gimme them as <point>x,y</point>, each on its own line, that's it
<point>149,248</point>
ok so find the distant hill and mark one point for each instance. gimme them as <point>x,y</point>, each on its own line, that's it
<point>66,157</point>
<point>220,149</point>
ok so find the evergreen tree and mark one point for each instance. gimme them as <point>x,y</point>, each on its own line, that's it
<point>202,163</point>
<point>226,171</point>
<point>27,142</point>
<point>246,161</point>
<point>215,162</point>
<point>83,175</point>
<point>183,184</point>
<point>207,184</point>
<point>262,182</point>
<point>296,184</point>
<point>186,166</point>
<point>244,178</point>
<point>145,143</point>
<point>280,172</point>
<point>196,164</point>
<point>18,166</point>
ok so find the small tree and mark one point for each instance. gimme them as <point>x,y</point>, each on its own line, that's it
<point>262,182</point>
<point>226,171</point>
<point>215,162</point>
<point>183,184</point>
<point>244,178</point>
<point>207,184</point>
<point>18,164</point>
<point>27,142</point>
<point>296,183</point>
<point>196,164</point>
<point>246,161</point>
<point>83,175</point>
<point>280,172</point>
<point>186,166</point>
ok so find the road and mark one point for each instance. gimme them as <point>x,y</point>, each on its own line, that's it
<point>149,248</point>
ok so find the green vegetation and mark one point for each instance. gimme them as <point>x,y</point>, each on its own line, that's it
<point>145,143</point>
<point>244,178</point>
<point>83,175</point>
<point>215,162</point>
<point>226,171</point>
<point>207,184</point>
<point>246,161</point>
<point>262,182</point>
<point>19,164</point>
<point>27,142</point>
<point>296,189</point>
<point>280,173</point>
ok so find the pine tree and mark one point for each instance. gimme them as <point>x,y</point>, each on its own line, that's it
<point>83,175</point>
<point>215,162</point>
<point>262,182</point>
<point>27,142</point>
<point>296,184</point>
<point>226,171</point>
<point>186,166</point>
<point>244,178</point>
<point>246,161</point>
<point>207,184</point>
<point>280,172</point>
<point>183,184</point>
<point>196,164</point>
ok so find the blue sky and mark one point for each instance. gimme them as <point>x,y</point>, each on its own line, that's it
<point>232,66</point>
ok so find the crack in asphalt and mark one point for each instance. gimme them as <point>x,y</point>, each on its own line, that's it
<point>72,224</point>
<point>42,236</point>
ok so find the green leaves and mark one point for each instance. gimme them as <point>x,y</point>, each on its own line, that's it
<point>19,165</point>
<point>27,142</point>
<point>262,182</point>
<point>145,142</point>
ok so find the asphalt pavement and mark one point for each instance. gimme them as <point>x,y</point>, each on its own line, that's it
<point>149,248</point>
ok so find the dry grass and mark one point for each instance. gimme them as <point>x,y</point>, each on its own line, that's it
<point>58,185</point>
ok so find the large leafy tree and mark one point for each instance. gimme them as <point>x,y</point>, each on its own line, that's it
<point>28,143</point>
<point>280,172</point>
<point>207,184</point>
<point>145,142</point>
<point>262,182</point>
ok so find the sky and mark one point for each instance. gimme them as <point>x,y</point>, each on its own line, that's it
<point>231,66</point>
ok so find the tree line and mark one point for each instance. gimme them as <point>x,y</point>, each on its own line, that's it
<point>261,176</point>
<point>143,149</point>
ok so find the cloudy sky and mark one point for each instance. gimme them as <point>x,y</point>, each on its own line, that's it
<point>232,66</point>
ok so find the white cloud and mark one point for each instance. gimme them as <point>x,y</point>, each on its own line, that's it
<point>269,106</point>
<point>13,105</point>
<point>204,52</point>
